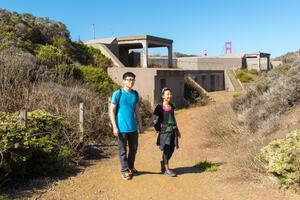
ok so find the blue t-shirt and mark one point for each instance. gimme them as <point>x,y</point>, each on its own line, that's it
<point>125,117</point>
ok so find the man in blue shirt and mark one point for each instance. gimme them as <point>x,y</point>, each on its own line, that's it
<point>124,115</point>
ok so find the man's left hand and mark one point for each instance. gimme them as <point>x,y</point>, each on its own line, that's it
<point>142,129</point>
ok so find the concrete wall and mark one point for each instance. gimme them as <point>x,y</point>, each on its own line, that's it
<point>161,61</point>
<point>134,59</point>
<point>144,83</point>
<point>124,55</point>
<point>257,63</point>
<point>171,79</point>
<point>264,63</point>
<point>252,63</point>
<point>228,84</point>
<point>113,47</point>
<point>208,63</point>
<point>209,80</point>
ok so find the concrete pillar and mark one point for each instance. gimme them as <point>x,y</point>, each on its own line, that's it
<point>170,58</point>
<point>145,54</point>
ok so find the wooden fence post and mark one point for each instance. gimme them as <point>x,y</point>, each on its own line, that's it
<point>23,117</point>
<point>81,118</point>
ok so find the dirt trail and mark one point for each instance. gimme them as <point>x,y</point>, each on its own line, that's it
<point>103,181</point>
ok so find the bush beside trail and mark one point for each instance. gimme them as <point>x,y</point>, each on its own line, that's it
<point>281,158</point>
<point>42,69</point>
<point>40,149</point>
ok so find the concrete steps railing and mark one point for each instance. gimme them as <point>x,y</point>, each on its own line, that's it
<point>237,85</point>
<point>105,51</point>
<point>203,93</point>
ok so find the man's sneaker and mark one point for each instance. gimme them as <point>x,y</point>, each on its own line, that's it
<point>162,167</point>
<point>126,175</point>
<point>169,173</point>
<point>134,171</point>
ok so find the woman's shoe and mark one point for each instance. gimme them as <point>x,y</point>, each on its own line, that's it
<point>170,173</point>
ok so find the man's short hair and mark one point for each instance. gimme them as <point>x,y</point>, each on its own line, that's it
<point>128,74</point>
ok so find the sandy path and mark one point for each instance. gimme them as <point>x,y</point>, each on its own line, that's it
<point>103,181</point>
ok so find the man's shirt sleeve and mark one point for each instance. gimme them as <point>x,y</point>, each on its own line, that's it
<point>115,97</point>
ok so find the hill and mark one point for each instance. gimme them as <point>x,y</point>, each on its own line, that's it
<point>46,73</point>
<point>288,58</point>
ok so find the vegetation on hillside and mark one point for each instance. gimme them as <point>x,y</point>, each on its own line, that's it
<point>246,76</point>
<point>275,93</point>
<point>43,71</point>
<point>178,54</point>
<point>253,122</point>
<point>289,58</point>
<point>46,39</point>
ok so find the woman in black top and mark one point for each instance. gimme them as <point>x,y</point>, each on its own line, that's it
<point>167,129</point>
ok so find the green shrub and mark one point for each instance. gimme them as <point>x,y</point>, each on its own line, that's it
<point>65,72</point>
<point>237,95</point>
<point>280,70</point>
<point>281,157</point>
<point>51,56</point>
<point>87,55</point>
<point>243,76</point>
<point>34,150</point>
<point>99,59</point>
<point>99,79</point>
<point>253,71</point>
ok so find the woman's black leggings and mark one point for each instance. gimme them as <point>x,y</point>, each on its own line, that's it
<point>168,152</point>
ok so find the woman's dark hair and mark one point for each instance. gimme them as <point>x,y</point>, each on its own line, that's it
<point>128,74</point>
<point>164,90</point>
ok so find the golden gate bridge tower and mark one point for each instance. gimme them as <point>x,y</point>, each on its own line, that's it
<point>228,47</point>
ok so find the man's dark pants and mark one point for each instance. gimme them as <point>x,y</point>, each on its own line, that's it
<point>127,162</point>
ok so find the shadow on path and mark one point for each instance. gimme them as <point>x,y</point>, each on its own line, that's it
<point>205,166</point>
<point>38,186</point>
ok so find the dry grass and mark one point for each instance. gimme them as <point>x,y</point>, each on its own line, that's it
<point>26,85</point>
<point>250,123</point>
<point>260,109</point>
<point>223,122</point>
<point>242,146</point>
<point>64,101</point>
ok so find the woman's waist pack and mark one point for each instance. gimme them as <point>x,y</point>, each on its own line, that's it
<point>167,128</point>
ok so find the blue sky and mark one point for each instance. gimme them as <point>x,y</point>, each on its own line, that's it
<point>194,25</point>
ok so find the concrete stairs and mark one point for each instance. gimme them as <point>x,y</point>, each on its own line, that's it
<point>105,51</point>
<point>203,93</point>
<point>235,82</point>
